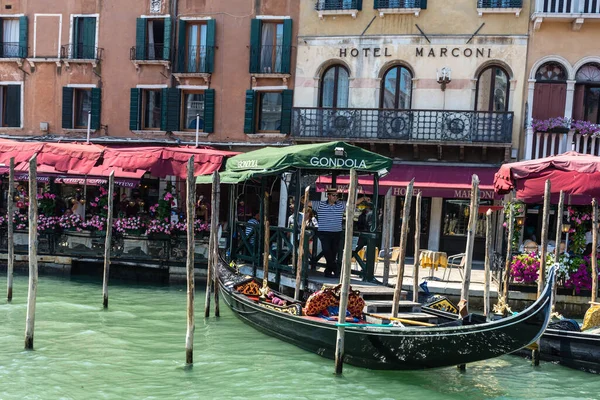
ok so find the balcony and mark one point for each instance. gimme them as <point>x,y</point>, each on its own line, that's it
<point>499,7</point>
<point>397,7</point>
<point>405,126</point>
<point>337,7</point>
<point>12,50</point>
<point>78,53</point>
<point>194,59</point>
<point>270,59</point>
<point>573,11</point>
<point>152,54</point>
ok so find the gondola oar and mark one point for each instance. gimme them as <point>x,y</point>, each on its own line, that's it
<point>403,320</point>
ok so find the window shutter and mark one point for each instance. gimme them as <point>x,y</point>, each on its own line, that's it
<point>96,108</point>
<point>286,57</point>
<point>1,37</point>
<point>209,110</point>
<point>134,109</point>
<point>287,101</point>
<point>75,39</point>
<point>167,44</point>
<point>67,108</point>
<point>181,47</point>
<point>171,103</point>
<point>210,45</point>
<point>89,38</point>
<point>359,5</point>
<point>140,39</point>
<point>250,113</point>
<point>12,117</point>
<point>423,4</point>
<point>163,109</point>
<point>255,26</point>
<point>23,27</point>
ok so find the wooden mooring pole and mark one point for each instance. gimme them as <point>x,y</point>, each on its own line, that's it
<point>300,259</point>
<point>559,225</point>
<point>471,231</point>
<point>33,244</point>
<point>108,240</point>
<point>215,259</point>
<point>346,272</point>
<point>11,238</point>
<point>594,251</point>
<point>191,213</point>
<point>266,245</point>
<point>403,238</point>
<point>488,262</point>
<point>417,248</point>
<point>386,229</point>
<point>506,277</point>
<point>214,231</point>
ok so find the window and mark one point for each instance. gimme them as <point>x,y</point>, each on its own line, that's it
<point>84,38</point>
<point>269,112</point>
<point>335,88</point>
<point>193,104</point>
<point>339,5</point>
<point>13,37</point>
<point>77,103</point>
<point>153,39</point>
<point>151,109</point>
<point>550,94</point>
<point>270,46</point>
<point>10,97</point>
<point>492,90</point>
<point>587,94</point>
<point>396,89</point>
<point>551,71</point>
<point>196,46</point>
<point>456,218</point>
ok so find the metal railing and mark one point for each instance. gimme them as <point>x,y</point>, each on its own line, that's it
<point>405,125</point>
<point>270,58</point>
<point>151,52</point>
<point>194,58</point>
<point>12,50</point>
<point>568,6</point>
<point>499,3</point>
<point>397,4</point>
<point>80,52</point>
<point>330,5</point>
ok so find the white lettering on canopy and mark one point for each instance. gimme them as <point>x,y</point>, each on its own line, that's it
<point>247,164</point>
<point>328,162</point>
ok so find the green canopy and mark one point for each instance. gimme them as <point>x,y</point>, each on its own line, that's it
<point>339,156</point>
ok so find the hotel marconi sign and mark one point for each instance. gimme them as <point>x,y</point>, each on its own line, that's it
<point>421,52</point>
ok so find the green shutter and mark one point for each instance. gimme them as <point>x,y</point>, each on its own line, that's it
<point>167,44</point>
<point>209,110</point>
<point>255,26</point>
<point>163,109</point>
<point>75,39</point>
<point>287,101</point>
<point>12,110</point>
<point>23,27</point>
<point>286,56</point>
<point>250,114</point>
<point>423,4</point>
<point>1,37</point>
<point>171,103</point>
<point>67,108</point>
<point>210,45</point>
<point>140,39</point>
<point>181,47</point>
<point>89,38</point>
<point>96,108</point>
<point>359,5</point>
<point>134,109</point>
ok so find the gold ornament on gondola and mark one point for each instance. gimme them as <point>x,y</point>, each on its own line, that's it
<point>132,204</point>
<point>73,201</point>
<point>17,198</point>
<point>82,201</point>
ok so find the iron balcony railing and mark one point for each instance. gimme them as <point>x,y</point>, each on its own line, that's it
<point>194,58</point>
<point>381,4</point>
<point>270,58</point>
<point>568,6</point>
<point>499,3</point>
<point>151,52</point>
<point>12,50</point>
<point>330,5</point>
<point>81,52</point>
<point>402,125</point>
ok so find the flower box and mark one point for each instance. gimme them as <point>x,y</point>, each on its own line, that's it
<point>558,129</point>
<point>135,244</point>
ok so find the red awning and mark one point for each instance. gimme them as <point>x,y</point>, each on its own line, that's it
<point>21,151</point>
<point>75,157</point>
<point>432,180</point>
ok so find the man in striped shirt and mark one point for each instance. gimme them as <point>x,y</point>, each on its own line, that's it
<point>329,215</point>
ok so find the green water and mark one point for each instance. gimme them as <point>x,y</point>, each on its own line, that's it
<point>136,350</point>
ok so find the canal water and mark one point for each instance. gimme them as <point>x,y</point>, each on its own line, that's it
<point>136,350</point>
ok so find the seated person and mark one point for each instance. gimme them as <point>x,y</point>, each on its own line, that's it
<point>530,246</point>
<point>252,226</point>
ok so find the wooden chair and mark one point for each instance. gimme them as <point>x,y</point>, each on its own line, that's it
<point>457,261</point>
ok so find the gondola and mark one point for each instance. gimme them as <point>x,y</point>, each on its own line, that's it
<point>388,347</point>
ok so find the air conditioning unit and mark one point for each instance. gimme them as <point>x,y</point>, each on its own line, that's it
<point>44,126</point>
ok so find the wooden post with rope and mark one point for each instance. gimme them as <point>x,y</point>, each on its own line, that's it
<point>559,224</point>
<point>300,259</point>
<point>33,262</point>
<point>345,276</point>
<point>471,231</point>
<point>594,251</point>
<point>108,239</point>
<point>266,246</point>
<point>214,218</point>
<point>11,236</point>
<point>214,231</point>
<point>488,262</point>
<point>386,234</point>
<point>191,290</point>
<point>417,248</point>
<point>511,230</point>
<point>403,238</point>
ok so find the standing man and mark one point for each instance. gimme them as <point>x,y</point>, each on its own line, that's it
<point>330,214</point>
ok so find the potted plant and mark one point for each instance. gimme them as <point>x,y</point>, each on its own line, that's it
<point>585,128</point>
<point>47,204</point>
<point>133,231</point>
<point>552,125</point>
<point>21,226</point>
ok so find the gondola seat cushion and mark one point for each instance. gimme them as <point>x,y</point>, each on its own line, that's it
<point>592,318</point>
<point>249,288</point>
<point>356,304</point>
<point>319,301</point>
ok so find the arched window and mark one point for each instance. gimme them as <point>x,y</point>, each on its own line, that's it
<point>396,89</point>
<point>586,102</point>
<point>492,90</point>
<point>551,71</point>
<point>334,87</point>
